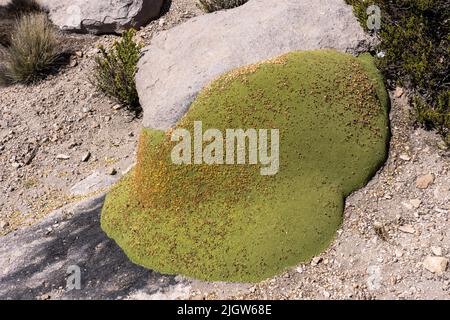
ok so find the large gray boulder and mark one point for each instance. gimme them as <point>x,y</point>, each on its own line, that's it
<point>181,61</point>
<point>101,16</point>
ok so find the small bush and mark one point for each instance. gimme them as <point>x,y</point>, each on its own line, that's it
<point>115,71</point>
<point>33,50</point>
<point>215,5</point>
<point>415,37</point>
<point>10,12</point>
<point>19,7</point>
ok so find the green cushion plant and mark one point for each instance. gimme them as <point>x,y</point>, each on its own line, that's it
<point>230,223</point>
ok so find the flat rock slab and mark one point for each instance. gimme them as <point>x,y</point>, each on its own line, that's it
<point>101,16</point>
<point>182,60</point>
<point>97,181</point>
<point>34,261</point>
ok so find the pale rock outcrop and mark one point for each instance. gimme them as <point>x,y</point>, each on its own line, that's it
<point>101,16</point>
<point>181,61</point>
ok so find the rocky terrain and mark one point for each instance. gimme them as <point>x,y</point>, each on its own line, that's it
<point>61,142</point>
<point>58,132</point>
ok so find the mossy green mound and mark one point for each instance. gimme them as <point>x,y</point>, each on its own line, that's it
<point>230,223</point>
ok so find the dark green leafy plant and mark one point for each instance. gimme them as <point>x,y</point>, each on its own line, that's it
<point>215,5</point>
<point>415,38</point>
<point>116,69</point>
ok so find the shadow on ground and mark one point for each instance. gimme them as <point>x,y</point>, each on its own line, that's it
<point>34,261</point>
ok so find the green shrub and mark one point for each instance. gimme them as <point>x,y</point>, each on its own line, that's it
<point>415,38</point>
<point>437,117</point>
<point>33,50</point>
<point>115,71</point>
<point>215,5</point>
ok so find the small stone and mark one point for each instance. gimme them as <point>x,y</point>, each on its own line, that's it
<point>73,63</point>
<point>86,157</point>
<point>416,203</point>
<point>117,107</point>
<point>407,229</point>
<point>4,225</point>
<point>436,264</point>
<point>16,165</point>
<point>112,172</point>
<point>398,253</point>
<point>437,251</point>
<point>161,22</point>
<point>315,261</point>
<point>45,297</point>
<point>62,157</point>
<point>399,92</point>
<point>405,157</point>
<point>381,54</point>
<point>79,54</point>
<point>423,182</point>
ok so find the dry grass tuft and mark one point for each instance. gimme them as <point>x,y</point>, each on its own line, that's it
<point>33,50</point>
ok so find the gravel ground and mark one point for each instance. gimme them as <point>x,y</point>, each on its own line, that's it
<point>394,243</point>
<point>48,129</point>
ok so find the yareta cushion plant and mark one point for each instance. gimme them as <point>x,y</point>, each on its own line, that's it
<point>229,222</point>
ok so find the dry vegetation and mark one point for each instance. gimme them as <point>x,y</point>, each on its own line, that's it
<point>33,50</point>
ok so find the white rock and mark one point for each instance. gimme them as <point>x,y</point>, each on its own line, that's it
<point>86,157</point>
<point>101,16</point>
<point>316,260</point>
<point>405,157</point>
<point>416,203</point>
<point>62,157</point>
<point>398,253</point>
<point>437,251</point>
<point>435,264</point>
<point>4,225</point>
<point>399,91</point>
<point>407,229</point>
